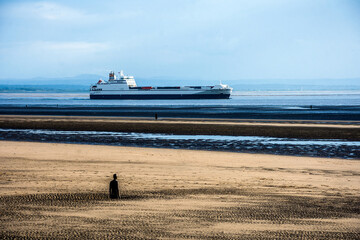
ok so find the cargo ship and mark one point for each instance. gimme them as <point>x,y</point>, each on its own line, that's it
<point>124,87</point>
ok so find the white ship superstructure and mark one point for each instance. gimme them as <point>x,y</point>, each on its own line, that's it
<point>124,87</point>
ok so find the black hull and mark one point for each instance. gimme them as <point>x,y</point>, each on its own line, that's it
<point>161,96</point>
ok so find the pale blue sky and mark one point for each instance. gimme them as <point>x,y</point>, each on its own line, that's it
<point>190,39</point>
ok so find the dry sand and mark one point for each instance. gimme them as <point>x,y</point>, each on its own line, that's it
<point>60,191</point>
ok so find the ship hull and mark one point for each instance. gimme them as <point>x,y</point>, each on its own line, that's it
<point>159,96</point>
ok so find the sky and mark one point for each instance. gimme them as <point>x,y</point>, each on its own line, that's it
<point>181,39</point>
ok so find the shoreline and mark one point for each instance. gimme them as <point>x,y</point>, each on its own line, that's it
<point>282,129</point>
<point>200,110</point>
<point>88,156</point>
<point>344,152</point>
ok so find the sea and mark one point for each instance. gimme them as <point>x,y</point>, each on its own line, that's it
<point>238,98</point>
<point>301,105</point>
<point>336,107</point>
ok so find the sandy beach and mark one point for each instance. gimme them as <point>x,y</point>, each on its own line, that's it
<point>187,119</point>
<point>60,191</point>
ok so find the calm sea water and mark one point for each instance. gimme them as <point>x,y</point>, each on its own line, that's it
<point>267,98</point>
<point>301,105</point>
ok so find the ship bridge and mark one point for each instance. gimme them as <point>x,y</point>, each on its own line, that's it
<point>123,79</point>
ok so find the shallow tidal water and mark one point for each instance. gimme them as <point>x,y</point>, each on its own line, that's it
<point>245,144</point>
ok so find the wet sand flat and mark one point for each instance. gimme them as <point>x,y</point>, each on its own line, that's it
<point>348,130</point>
<point>59,191</point>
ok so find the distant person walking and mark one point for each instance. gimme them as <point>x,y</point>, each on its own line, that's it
<point>114,188</point>
<point>156,116</point>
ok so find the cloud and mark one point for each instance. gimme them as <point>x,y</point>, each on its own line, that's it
<point>54,51</point>
<point>238,38</point>
<point>52,11</point>
<point>71,47</point>
<point>48,11</point>
<point>52,58</point>
<point>56,12</point>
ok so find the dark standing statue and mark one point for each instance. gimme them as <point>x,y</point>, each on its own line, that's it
<point>114,188</point>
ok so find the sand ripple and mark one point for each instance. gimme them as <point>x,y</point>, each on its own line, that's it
<point>213,213</point>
